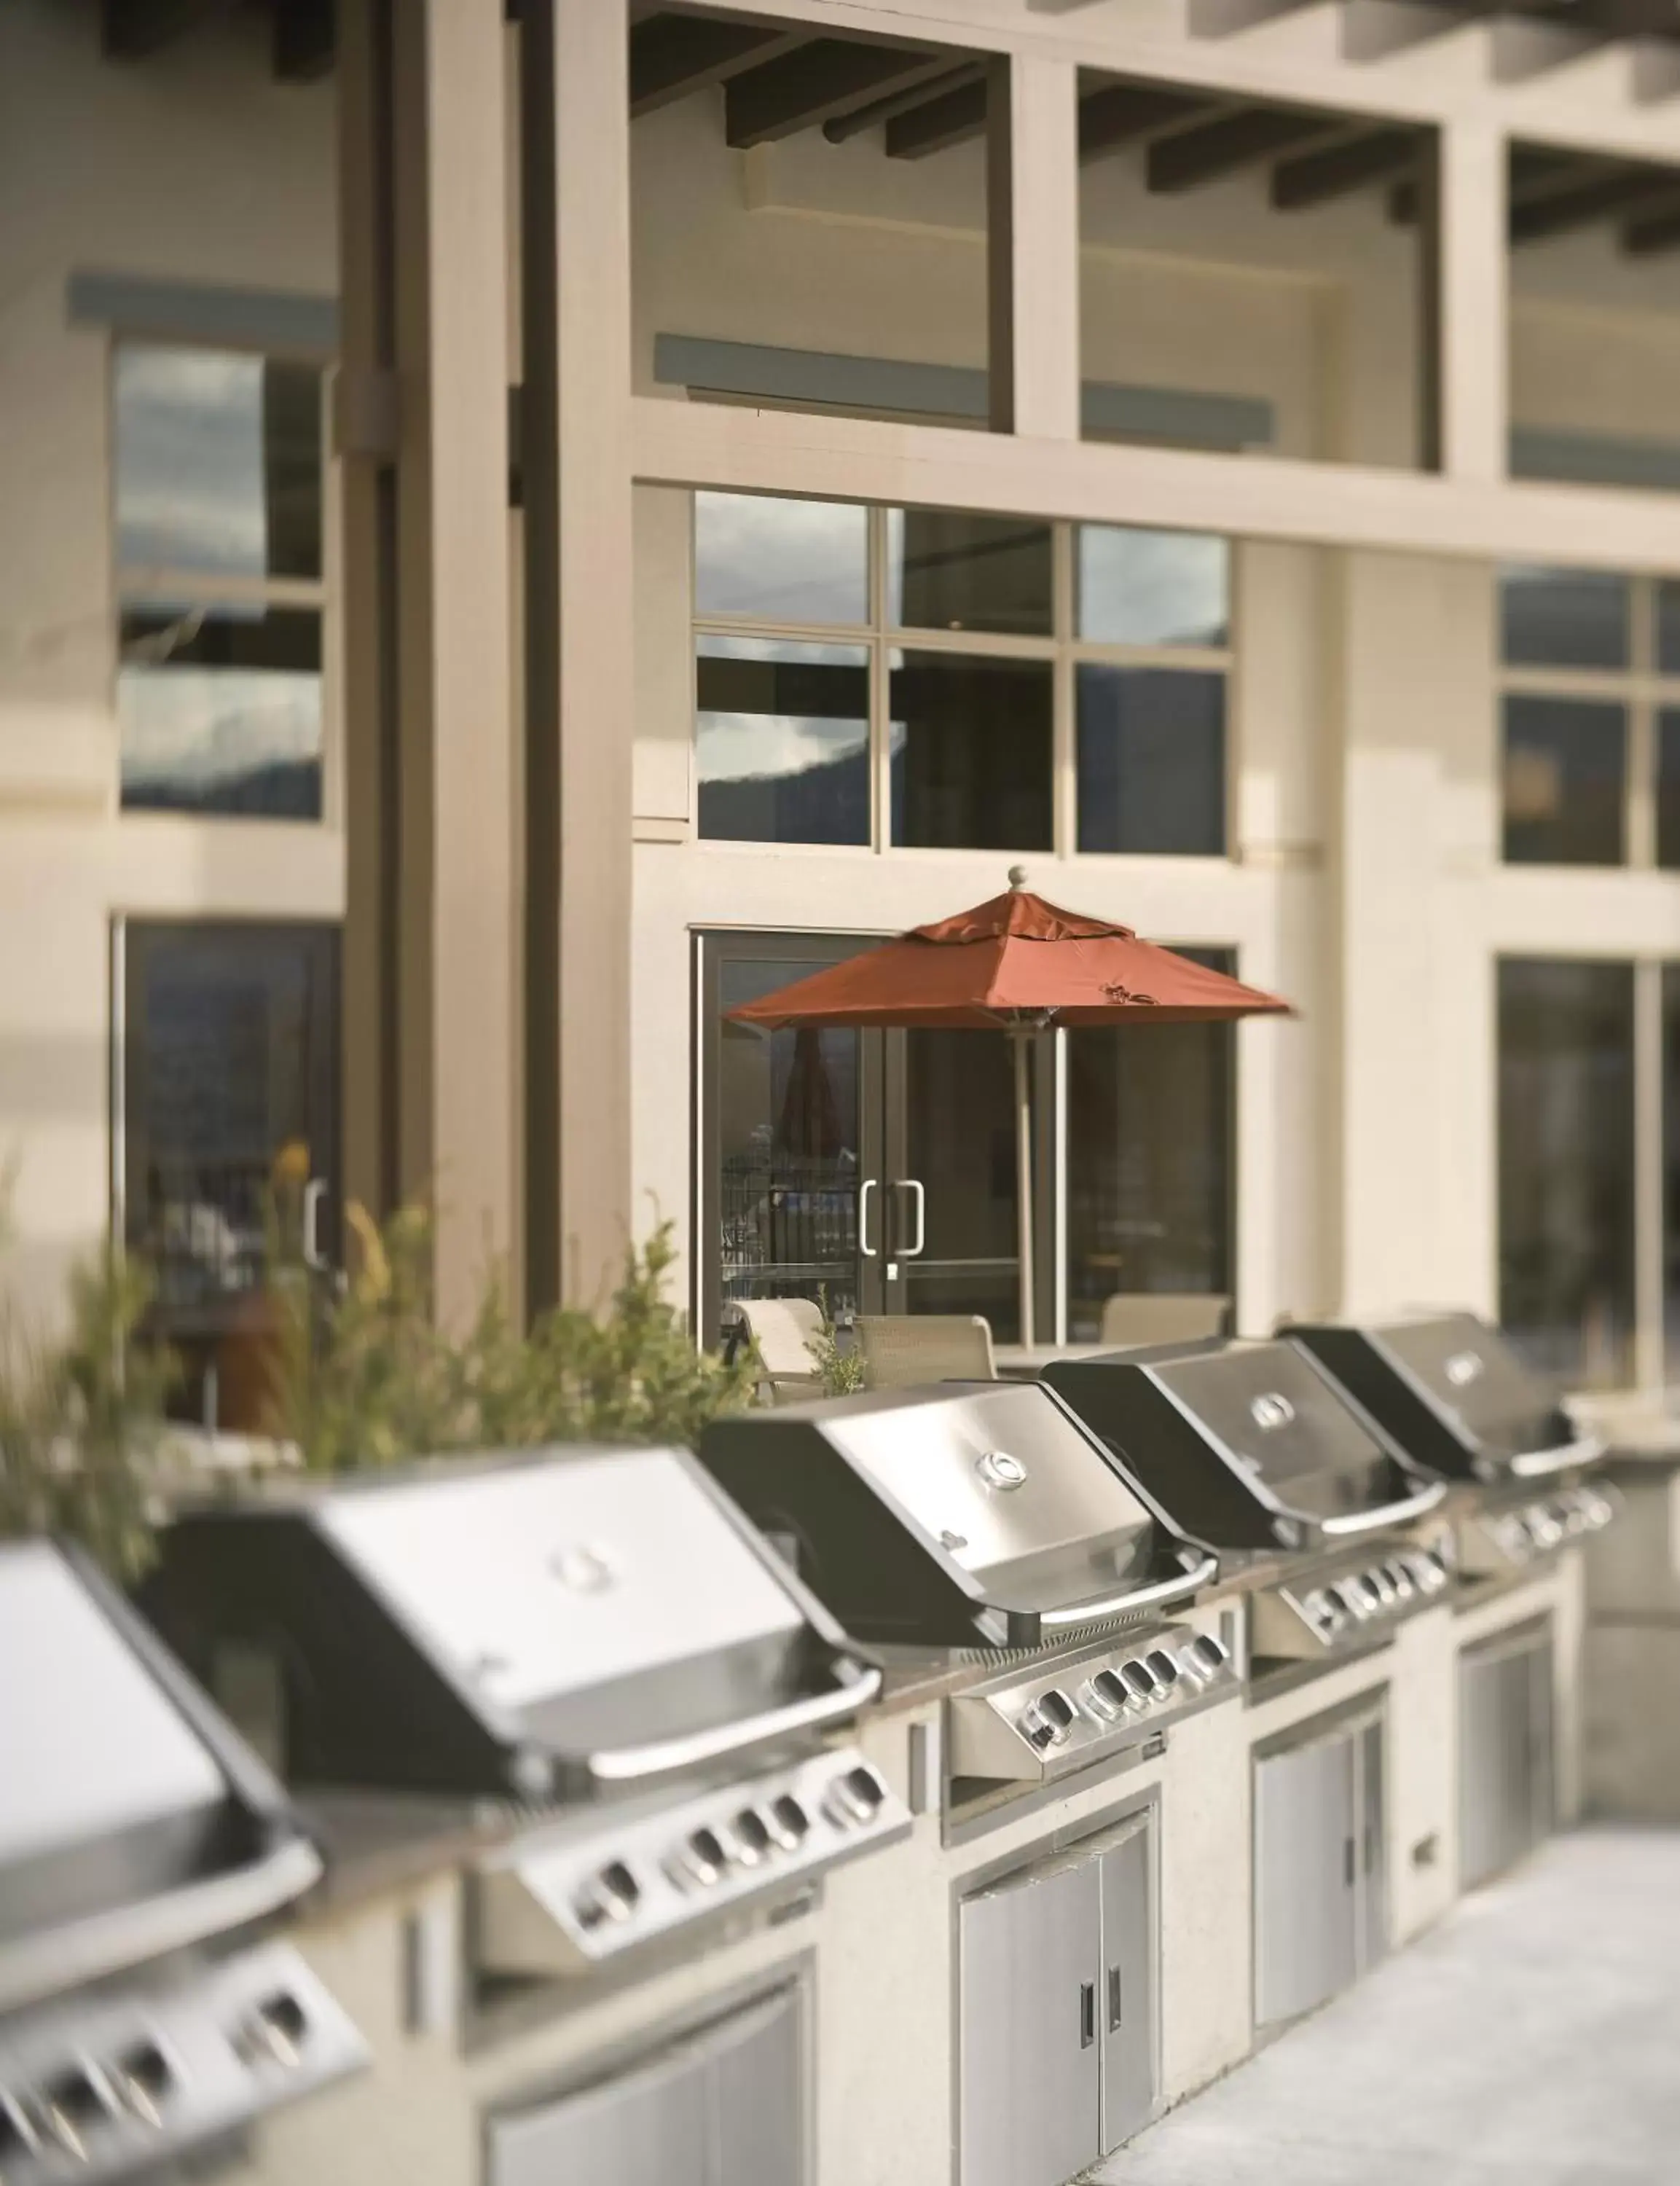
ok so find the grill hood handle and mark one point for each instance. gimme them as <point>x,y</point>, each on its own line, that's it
<point>1386,1514</point>
<point>1149,1597</point>
<point>1539,1464</point>
<point>630,1764</point>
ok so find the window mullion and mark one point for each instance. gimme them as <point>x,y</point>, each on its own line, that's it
<point>1648,1175</point>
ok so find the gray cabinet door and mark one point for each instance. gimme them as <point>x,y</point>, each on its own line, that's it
<point>1505,1795</point>
<point>647,2126</point>
<point>1373,1844</point>
<point>757,2079</point>
<point>1306,1854</point>
<point>1029,2047</point>
<point>1127,1997</point>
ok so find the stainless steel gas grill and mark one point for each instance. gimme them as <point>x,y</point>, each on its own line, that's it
<point>1252,1447</point>
<point>596,1639</point>
<point>1449,1390</point>
<point>141,1848</point>
<point>963,1515</point>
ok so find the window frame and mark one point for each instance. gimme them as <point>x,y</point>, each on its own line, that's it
<point>1063,649</point>
<point>136,587</point>
<point>1643,692</point>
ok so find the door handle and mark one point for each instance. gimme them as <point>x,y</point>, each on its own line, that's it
<point>1087,2014</point>
<point>313,1193</point>
<point>914,1184</point>
<point>1371,1848</point>
<point>864,1248</point>
<point>1350,1860</point>
<point>1115,2014</point>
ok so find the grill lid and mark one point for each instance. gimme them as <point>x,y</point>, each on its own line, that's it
<point>590,1616</point>
<point>958,1510</point>
<point>1452,1392</point>
<point>1246,1444</point>
<point>132,1822</point>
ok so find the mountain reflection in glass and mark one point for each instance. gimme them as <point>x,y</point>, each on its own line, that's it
<point>782,741</point>
<point>221,711</point>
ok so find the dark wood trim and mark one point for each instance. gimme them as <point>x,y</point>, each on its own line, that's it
<point>1190,158</point>
<point>1121,113</point>
<point>1316,178</point>
<point>671,56</point>
<point>819,80</point>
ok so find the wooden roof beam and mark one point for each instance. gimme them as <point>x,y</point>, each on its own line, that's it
<point>1655,233</point>
<point>822,79</point>
<point>1122,114</point>
<point>134,30</point>
<point>1190,158</point>
<point>953,117</point>
<point>1582,205</point>
<point>671,55</point>
<point>305,39</point>
<point>1315,178</point>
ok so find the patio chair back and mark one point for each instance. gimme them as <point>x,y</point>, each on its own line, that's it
<point>1139,1317</point>
<point>900,1351</point>
<point>783,1330</point>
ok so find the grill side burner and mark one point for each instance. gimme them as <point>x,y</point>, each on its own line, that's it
<point>958,1513</point>
<point>1450,1390</point>
<point>140,1845</point>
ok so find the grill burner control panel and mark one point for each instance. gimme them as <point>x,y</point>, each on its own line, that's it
<point>555,1905</point>
<point>1514,1535</point>
<point>112,2084</point>
<point>1314,1617</point>
<point>1060,1717</point>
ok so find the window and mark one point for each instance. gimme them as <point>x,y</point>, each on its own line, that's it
<point>1591,706</point>
<point>921,678</point>
<point>219,534</point>
<point>1567,1219</point>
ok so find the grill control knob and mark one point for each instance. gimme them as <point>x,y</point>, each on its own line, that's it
<point>145,2079</point>
<point>1164,1668</point>
<point>1137,1682</point>
<point>1048,1717</point>
<point>752,1837</point>
<point>277,2029</point>
<point>1360,1596</point>
<point>854,1798</point>
<point>1379,1582</point>
<point>1106,1697</point>
<point>75,2105</point>
<point>1210,1654</point>
<point>1544,1529</point>
<point>787,1822</point>
<point>611,1895</point>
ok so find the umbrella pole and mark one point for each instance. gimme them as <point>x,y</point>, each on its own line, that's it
<point>1019,1037</point>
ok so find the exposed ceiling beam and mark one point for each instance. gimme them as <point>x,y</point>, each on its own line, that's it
<point>1223,19</point>
<point>1314,178</point>
<point>672,55</point>
<point>1122,114</point>
<point>1191,157</point>
<point>134,30</point>
<point>950,120</point>
<point>1595,199</point>
<point>1530,165</point>
<point>1653,234</point>
<point>816,82</point>
<point>306,37</point>
<point>896,103</point>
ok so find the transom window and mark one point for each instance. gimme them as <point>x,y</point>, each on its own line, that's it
<point>1591,703</point>
<point>925,679</point>
<point>220,581</point>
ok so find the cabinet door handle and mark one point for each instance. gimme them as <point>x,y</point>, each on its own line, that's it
<point>1087,2014</point>
<point>1371,1848</point>
<point>1350,1860</point>
<point>1115,2012</point>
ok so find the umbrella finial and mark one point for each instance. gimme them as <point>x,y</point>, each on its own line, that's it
<point>1018,876</point>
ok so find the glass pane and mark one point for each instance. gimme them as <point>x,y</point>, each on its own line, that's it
<point>1566,1167</point>
<point>1153,587</point>
<point>782,741</point>
<point>1668,626</point>
<point>1668,786</point>
<point>1565,781</point>
<point>1150,1115</point>
<point>951,572</point>
<point>960,1143</point>
<point>221,711</point>
<point>784,561</point>
<point>218,462</point>
<point>971,753</point>
<point>1563,618</point>
<point>788,1141</point>
<point>230,1056</point>
<point>1151,759</point>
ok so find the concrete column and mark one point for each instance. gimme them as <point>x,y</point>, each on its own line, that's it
<point>431,947</point>
<point>579,655</point>
<point>1466,366</point>
<point>1033,261</point>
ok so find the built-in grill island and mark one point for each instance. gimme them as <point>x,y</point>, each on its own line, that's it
<point>145,2013</point>
<point>1253,1448</point>
<point>596,1640</point>
<point>1449,1390</point>
<point>981,1519</point>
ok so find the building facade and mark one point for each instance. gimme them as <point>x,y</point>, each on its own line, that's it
<point>520,535</point>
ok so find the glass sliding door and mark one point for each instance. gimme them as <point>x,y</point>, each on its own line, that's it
<point>1566,1166</point>
<point>1150,1175</point>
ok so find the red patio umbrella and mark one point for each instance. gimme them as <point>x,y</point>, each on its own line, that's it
<point>1018,965</point>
